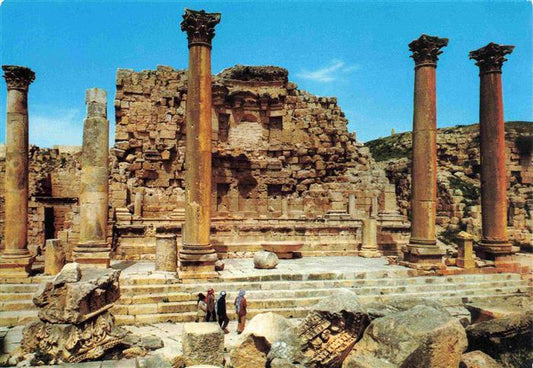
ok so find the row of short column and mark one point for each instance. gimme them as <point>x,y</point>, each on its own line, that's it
<point>494,245</point>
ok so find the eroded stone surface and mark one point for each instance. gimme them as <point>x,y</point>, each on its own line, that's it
<point>72,343</point>
<point>420,337</point>
<point>66,300</point>
<point>254,344</point>
<point>508,339</point>
<point>325,336</point>
<point>478,359</point>
<point>203,343</point>
<point>265,260</point>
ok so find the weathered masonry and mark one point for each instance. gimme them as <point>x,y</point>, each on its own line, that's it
<point>284,166</point>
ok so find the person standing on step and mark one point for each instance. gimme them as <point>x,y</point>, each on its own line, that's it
<point>210,300</point>
<point>201,307</point>
<point>220,309</point>
<point>240,310</point>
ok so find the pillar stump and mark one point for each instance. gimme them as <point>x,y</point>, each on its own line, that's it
<point>165,252</point>
<point>15,259</point>
<point>92,249</point>
<point>494,243</point>
<point>465,250</point>
<point>422,249</point>
<point>369,248</point>
<point>197,257</point>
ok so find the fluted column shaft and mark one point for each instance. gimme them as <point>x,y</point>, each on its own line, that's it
<point>15,258</point>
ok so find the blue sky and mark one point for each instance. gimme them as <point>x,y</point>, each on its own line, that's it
<point>354,50</point>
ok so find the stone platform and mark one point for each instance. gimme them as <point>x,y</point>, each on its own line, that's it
<point>149,296</point>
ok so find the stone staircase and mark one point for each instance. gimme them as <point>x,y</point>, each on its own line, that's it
<point>159,297</point>
<point>16,305</point>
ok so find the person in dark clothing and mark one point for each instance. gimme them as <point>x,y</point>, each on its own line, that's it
<point>210,301</point>
<point>220,309</point>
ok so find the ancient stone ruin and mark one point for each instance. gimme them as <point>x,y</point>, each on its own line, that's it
<point>74,320</point>
<point>240,181</point>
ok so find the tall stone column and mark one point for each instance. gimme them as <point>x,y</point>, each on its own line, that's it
<point>494,242</point>
<point>197,257</point>
<point>16,259</point>
<point>422,247</point>
<point>92,249</point>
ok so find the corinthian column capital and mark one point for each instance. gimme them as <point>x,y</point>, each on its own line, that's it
<point>18,77</point>
<point>200,26</point>
<point>491,57</point>
<point>426,49</point>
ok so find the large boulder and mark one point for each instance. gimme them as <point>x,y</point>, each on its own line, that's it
<point>507,339</point>
<point>265,260</point>
<point>203,343</point>
<point>478,359</point>
<point>324,337</point>
<point>420,337</point>
<point>378,309</point>
<point>254,344</point>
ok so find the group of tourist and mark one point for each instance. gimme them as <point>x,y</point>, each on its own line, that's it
<point>209,308</point>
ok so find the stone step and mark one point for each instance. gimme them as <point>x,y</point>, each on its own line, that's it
<point>267,275</point>
<point>383,288</point>
<point>5,297</point>
<point>292,312</point>
<point>17,318</point>
<point>292,302</point>
<point>17,305</point>
<point>19,288</point>
<point>130,290</point>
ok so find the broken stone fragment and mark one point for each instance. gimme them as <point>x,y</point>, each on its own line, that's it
<point>478,359</point>
<point>70,273</point>
<point>254,344</point>
<point>265,260</point>
<point>54,257</point>
<point>66,300</point>
<point>203,343</point>
<point>507,338</point>
<point>420,337</point>
<point>70,343</point>
<point>325,336</point>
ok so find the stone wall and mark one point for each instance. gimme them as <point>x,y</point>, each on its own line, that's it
<point>53,193</point>
<point>278,152</point>
<point>459,177</point>
<point>284,168</point>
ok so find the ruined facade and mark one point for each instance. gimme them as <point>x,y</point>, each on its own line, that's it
<point>284,165</point>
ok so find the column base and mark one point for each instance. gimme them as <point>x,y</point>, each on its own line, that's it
<point>16,265</point>
<point>423,257</point>
<point>197,262</point>
<point>465,263</point>
<point>370,253</point>
<point>92,255</point>
<point>502,253</point>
